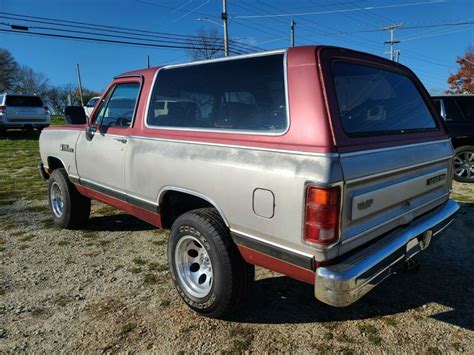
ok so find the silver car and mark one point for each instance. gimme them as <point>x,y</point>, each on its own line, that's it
<point>23,111</point>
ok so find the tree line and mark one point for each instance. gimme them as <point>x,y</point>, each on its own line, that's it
<point>21,79</point>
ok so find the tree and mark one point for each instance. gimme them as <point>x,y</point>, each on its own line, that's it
<point>58,97</point>
<point>208,45</point>
<point>8,71</point>
<point>462,82</point>
<point>29,81</point>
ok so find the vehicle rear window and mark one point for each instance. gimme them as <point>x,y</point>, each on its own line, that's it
<point>234,95</point>
<point>24,101</point>
<point>374,101</point>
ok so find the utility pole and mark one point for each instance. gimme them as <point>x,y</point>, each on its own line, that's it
<point>392,41</point>
<point>80,84</point>
<point>226,34</point>
<point>292,27</point>
<point>148,61</point>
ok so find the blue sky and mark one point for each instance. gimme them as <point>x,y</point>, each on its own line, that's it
<point>431,51</point>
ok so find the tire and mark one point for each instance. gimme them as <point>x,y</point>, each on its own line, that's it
<point>68,207</point>
<point>207,269</point>
<point>464,164</point>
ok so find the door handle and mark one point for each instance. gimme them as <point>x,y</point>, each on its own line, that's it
<point>121,140</point>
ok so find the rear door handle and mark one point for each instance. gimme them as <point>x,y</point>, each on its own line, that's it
<point>121,140</point>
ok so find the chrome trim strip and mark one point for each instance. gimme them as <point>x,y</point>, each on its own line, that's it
<point>295,152</point>
<point>116,191</point>
<point>393,171</point>
<point>370,151</point>
<point>360,235</point>
<point>225,131</point>
<point>274,245</point>
<point>344,283</point>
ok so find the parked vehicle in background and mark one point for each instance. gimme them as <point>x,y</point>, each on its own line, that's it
<point>90,105</point>
<point>458,112</point>
<point>23,111</point>
<point>324,164</point>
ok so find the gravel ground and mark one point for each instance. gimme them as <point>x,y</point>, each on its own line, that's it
<point>107,289</point>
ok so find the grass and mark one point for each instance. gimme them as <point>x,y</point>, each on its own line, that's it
<point>139,261</point>
<point>127,328</point>
<point>135,270</point>
<point>150,279</point>
<point>328,336</point>
<point>157,267</point>
<point>165,303</point>
<point>63,243</point>
<point>390,321</point>
<point>27,238</point>
<point>372,333</point>
<point>242,338</point>
<point>63,300</point>
<point>159,242</point>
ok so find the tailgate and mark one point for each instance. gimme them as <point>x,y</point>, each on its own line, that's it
<point>387,188</point>
<point>25,114</point>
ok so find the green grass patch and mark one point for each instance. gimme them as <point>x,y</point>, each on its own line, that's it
<point>390,321</point>
<point>157,267</point>
<point>135,270</point>
<point>27,238</point>
<point>2,249</point>
<point>159,242</point>
<point>328,336</point>
<point>139,261</point>
<point>63,243</point>
<point>63,300</point>
<point>165,303</point>
<point>150,279</point>
<point>367,329</point>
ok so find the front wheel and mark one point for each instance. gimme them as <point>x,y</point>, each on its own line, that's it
<point>69,208</point>
<point>206,266</point>
<point>464,164</point>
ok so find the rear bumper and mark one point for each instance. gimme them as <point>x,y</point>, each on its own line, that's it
<point>344,283</point>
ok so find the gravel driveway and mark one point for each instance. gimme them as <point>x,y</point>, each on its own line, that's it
<point>107,289</point>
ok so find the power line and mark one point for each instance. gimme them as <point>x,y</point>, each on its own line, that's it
<point>338,11</point>
<point>112,29</point>
<point>100,40</point>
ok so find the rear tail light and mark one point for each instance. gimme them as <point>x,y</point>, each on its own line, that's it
<point>46,110</point>
<point>322,208</point>
<point>3,108</point>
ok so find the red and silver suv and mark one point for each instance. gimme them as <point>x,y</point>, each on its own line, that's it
<point>324,164</point>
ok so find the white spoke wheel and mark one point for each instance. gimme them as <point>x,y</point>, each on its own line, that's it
<point>69,208</point>
<point>464,164</point>
<point>207,269</point>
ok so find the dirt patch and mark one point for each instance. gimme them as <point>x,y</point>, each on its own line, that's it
<point>107,288</point>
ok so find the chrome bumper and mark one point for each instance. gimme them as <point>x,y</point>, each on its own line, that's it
<point>344,283</point>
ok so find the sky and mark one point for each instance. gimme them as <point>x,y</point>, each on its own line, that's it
<point>430,52</point>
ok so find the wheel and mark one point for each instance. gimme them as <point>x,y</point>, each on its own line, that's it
<point>206,266</point>
<point>69,208</point>
<point>464,164</point>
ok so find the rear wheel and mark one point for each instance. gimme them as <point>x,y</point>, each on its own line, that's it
<point>464,164</point>
<point>69,208</point>
<point>206,266</point>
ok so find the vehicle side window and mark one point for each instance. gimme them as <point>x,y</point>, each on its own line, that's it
<point>453,113</point>
<point>236,95</point>
<point>467,107</point>
<point>118,108</point>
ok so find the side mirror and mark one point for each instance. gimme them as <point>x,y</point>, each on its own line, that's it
<point>75,115</point>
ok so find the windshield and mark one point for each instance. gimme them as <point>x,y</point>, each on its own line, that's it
<point>24,101</point>
<point>374,101</point>
<point>92,102</point>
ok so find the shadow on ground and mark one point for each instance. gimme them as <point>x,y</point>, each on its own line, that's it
<point>445,277</point>
<point>116,223</point>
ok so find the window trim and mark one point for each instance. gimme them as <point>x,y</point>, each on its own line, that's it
<point>111,90</point>
<point>217,130</point>
<point>379,133</point>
